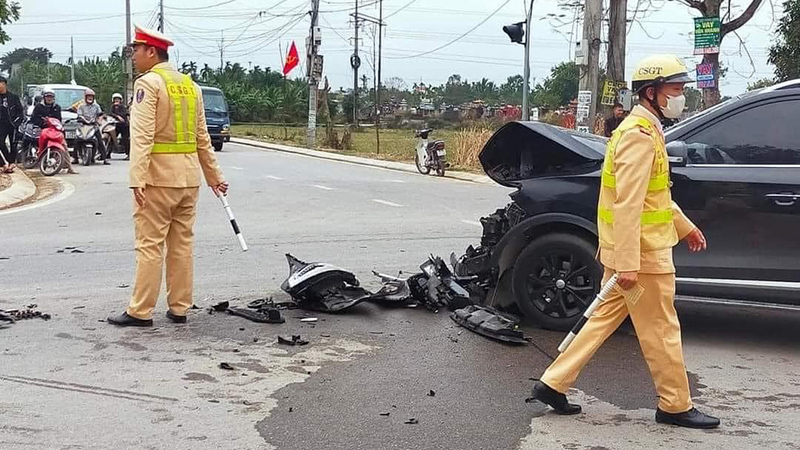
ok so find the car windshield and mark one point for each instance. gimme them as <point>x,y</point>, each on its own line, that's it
<point>67,97</point>
<point>214,101</point>
<point>676,128</point>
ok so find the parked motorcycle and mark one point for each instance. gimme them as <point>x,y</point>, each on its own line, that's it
<point>86,142</point>
<point>52,148</point>
<point>28,143</point>
<point>430,156</point>
<point>108,132</point>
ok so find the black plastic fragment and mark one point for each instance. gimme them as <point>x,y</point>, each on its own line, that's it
<point>490,323</point>
<point>225,366</point>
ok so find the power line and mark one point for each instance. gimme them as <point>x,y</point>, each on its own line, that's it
<point>200,7</point>
<point>400,9</point>
<point>458,38</point>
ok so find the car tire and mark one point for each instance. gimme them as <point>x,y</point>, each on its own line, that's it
<point>555,278</point>
<point>217,146</point>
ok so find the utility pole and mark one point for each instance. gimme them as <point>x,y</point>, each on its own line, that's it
<point>526,87</point>
<point>72,60</point>
<point>516,33</point>
<point>378,91</point>
<point>617,33</point>
<point>314,39</point>
<point>161,15</point>
<point>355,63</point>
<point>377,66</point>
<point>590,72</point>
<point>126,59</point>
<point>221,49</point>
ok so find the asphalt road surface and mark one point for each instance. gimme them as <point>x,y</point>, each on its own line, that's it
<point>76,383</point>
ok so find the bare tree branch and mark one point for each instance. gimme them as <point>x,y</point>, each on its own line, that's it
<point>738,22</point>
<point>647,33</point>
<point>743,46</point>
<point>697,4</point>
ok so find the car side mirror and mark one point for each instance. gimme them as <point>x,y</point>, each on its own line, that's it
<point>678,153</point>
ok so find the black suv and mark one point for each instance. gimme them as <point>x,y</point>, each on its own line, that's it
<point>736,174</point>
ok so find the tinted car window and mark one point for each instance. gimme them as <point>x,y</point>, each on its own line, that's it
<point>765,134</point>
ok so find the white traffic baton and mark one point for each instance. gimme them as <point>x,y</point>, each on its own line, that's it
<point>235,226</point>
<point>601,296</point>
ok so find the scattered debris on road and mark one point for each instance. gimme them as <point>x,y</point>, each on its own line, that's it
<point>295,340</point>
<point>411,421</point>
<point>489,322</point>
<point>123,286</point>
<point>29,312</point>
<point>221,306</point>
<point>386,414</point>
<point>267,315</point>
<point>309,319</point>
<point>432,393</point>
<point>225,366</point>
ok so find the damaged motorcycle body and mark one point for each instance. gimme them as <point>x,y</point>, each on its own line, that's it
<point>322,287</point>
<point>437,287</point>
<point>490,323</point>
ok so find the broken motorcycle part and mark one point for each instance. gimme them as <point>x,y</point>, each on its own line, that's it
<point>262,316</point>
<point>322,287</point>
<point>295,340</point>
<point>437,287</point>
<point>221,306</point>
<point>393,290</point>
<point>490,322</point>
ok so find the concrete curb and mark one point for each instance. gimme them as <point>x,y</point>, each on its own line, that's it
<point>391,165</point>
<point>22,188</point>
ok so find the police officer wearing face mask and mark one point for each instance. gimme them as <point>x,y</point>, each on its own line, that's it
<point>638,225</point>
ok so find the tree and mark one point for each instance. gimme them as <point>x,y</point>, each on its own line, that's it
<point>511,90</point>
<point>713,8</point>
<point>9,12</point>
<point>559,88</point>
<point>694,99</point>
<point>484,90</point>
<point>40,55</point>
<point>762,83</point>
<point>785,54</point>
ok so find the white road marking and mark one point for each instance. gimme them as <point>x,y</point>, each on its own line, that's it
<point>235,168</point>
<point>395,181</point>
<point>69,189</point>
<point>471,222</point>
<point>273,177</point>
<point>384,202</point>
<point>324,188</point>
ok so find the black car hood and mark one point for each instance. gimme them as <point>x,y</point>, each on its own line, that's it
<point>523,150</point>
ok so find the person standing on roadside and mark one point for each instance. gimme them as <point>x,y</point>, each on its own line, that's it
<point>169,146</point>
<point>11,115</point>
<point>617,116</point>
<point>638,225</point>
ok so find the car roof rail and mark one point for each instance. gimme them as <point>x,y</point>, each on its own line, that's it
<point>791,84</point>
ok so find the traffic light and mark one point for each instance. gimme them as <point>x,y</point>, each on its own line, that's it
<point>516,32</point>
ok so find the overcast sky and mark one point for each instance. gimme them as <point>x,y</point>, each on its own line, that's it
<point>413,27</point>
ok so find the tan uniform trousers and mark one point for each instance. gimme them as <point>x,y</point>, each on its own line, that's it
<point>657,327</point>
<point>167,217</point>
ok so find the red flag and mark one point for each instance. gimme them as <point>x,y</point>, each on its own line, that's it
<point>292,60</point>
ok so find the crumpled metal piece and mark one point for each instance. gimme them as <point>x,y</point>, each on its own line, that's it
<point>393,290</point>
<point>436,287</point>
<point>491,323</point>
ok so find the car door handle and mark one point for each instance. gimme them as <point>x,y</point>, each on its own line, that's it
<point>783,199</point>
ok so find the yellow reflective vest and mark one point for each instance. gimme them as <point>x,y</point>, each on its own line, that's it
<point>183,105</point>
<point>655,225</point>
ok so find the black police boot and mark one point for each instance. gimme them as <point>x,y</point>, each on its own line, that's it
<point>554,399</point>
<point>689,419</point>
<point>124,320</point>
<point>176,318</point>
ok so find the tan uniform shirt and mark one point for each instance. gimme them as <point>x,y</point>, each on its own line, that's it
<point>152,119</point>
<point>634,157</point>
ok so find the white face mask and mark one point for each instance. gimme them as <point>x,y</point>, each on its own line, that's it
<point>674,107</point>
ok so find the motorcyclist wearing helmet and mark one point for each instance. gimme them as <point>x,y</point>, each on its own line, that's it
<point>88,113</point>
<point>47,108</point>
<point>120,112</point>
<point>638,225</point>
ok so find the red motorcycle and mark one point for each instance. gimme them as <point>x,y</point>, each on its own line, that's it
<point>52,148</point>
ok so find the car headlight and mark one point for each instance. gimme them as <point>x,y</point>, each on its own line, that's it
<point>226,128</point>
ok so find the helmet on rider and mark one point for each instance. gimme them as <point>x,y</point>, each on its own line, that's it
<point>49,96</point>
<point>659,81</point>
<point>88,96</point>
<point>115,96</point>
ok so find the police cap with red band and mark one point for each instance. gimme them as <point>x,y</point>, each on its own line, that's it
<point>153,38</point>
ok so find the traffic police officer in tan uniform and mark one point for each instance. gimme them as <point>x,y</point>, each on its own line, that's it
<point>638,224</point>
<point>169,147</point>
